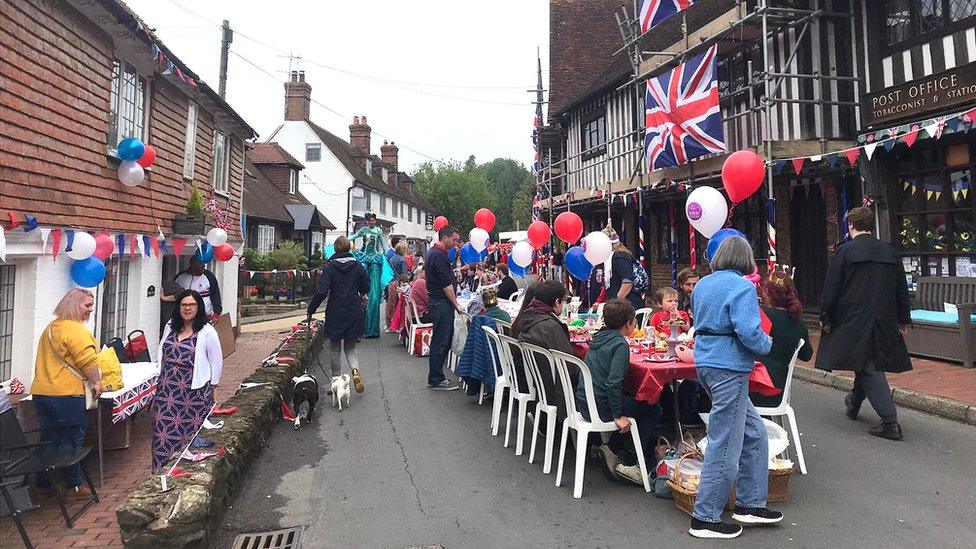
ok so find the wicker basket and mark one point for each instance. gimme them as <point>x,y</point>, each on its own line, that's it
<point>684,498</point>
<point>779,483</point>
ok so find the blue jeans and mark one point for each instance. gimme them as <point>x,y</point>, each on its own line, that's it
<point>441,314</point>
<point>737,451</point>
<point>66,417</point>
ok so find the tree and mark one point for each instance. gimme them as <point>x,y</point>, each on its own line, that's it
<point>456,193</point>
<point>506,180</point>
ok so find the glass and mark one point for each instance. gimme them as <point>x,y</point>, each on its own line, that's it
<point>930,16</point>
<point>960,186</point>
<point>898,19</point>
<point>188,305</point>
<point>963,233</point>
<point>961,9</point>
<point>936,234</point>
<point>908,233</point>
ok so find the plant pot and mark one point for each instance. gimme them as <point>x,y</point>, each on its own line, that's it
<point>185,224</point>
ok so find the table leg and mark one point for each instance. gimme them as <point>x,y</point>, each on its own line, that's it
<point>101,448</point>
<point>677,412</point>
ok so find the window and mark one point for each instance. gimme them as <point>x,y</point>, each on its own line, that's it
<point>293,181</point>
<point>908,19</point>
<point>318,241</point>
<point>369,201</point>
<point>313,152</point>
<point>221,161</point>
<point>190,141</point>
<point>369,166</point>
<point>115,299</point>
<point>410,214</point>
<point>127,104</point>
<point>593,133</point>
<point>266,238</point>
<point>403,207</point>
<point>7,273</point>
<point>394,211</point>
<point>386,174</point>
<point>382,204</point>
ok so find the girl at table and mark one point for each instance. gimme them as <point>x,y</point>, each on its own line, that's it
<point>190,362</point>
<point>728,337</point>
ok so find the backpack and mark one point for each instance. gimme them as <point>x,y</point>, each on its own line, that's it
<point>641,282</point>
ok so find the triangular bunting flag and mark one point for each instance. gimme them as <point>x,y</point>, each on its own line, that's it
<point>911,136</point>
<point>852,155</point>
<point>178,244</point>
<point>155,246</point>
<point>14,222</point>
<point>928,195</point>
<point>869,149</point>
<point>954,123</point>
<point>133,247</point>
<point>888,144</point>
<point>30,223</point>
<point>816,158</point>
<point>44,234</point>
<point>938,194</point>
<point>70,241</point>
<point>120,244</point>
<point>798,164</point>
<point>969,116</point>
<point>780,165</point>
<point>55,244</point>
<point>832,160</point>
<point>146,246</point>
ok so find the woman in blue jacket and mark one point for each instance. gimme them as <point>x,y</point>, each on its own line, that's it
<point>727,340</point>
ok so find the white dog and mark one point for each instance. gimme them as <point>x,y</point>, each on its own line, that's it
<point>340,388</point>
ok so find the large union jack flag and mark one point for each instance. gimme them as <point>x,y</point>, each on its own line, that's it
<point>683,119</point>
<point>653,12</point>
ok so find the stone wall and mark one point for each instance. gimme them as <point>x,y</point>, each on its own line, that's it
<point>184,515</point>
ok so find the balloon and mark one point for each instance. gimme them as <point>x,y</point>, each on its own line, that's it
<point>569,227</point>
<point>742,174</point>
<point>82,247</point>
<point>88,273</point>
<point>440,222</point>
<point>706,210</point>
<point>539,234</point>
<point>514,268</point>
<point>131,174</point>
<point>148,157</point>
<point>716,240</point>
<point>216,237</point>
<point>206,253</point>
<point>576,263</point>
<point>597,247</point>
<point>224,252</point>
<point>104,246</point>
<point>478,238</point>
<point>451,254</point>
<point>522,254</point>
<point>130,149</point>
<point>469,255</point>
<point>484,219</point>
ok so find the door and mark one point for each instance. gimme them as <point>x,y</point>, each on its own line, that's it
<point>808,243</point>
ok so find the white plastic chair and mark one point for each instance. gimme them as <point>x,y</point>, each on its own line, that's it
<point>531,355</point>
<point>574,420</point>
<point>506,327</point>
<point>517,393</point>
<point>414,324</point>
<point>517,296</point>
<point>643,316</point>
<point>502,376</point>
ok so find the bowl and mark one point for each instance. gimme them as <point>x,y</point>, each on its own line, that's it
<point>684,353</point>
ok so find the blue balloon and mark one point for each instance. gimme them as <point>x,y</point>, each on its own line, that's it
<point>451,254</point>
<point>577,264</point>
<point>469,255</point>
<point>205,253</point>
<point>515,269</point>
<point>716,240</point>
<point>88,273</point>
<point>131,149</point>
<point>483,255</point>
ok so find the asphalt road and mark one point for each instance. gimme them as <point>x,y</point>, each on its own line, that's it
<point>406,467</point>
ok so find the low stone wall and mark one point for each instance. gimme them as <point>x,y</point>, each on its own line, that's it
<point>184,515</point>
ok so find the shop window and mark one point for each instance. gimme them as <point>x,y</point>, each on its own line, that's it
<point>127,104</point>
<point>7,274</point>
<point>909,19</point>
<point>593,133</point>
<point>115,299</point>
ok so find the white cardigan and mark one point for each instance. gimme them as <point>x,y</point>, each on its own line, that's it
<point>208,362</point>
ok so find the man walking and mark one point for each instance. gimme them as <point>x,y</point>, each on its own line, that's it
<point>441,306</point>
<point>864,315</point>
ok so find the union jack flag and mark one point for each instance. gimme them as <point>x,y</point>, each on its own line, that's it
<point>653,12</point>
<point>683,119</point>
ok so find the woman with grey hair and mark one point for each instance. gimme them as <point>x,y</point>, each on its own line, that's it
<point>727,340</point>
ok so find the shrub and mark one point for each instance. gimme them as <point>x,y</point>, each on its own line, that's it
<point>255,260</point>
<point>194,204</point>
<point>287,255</point>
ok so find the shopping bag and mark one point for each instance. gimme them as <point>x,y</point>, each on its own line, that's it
<point>421,341</point>
<point>460,333</point>
<point>119,347</point>
<point>108,363</point>
<point>137,348</point>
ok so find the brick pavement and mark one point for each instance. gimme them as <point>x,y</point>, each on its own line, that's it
<point>125,469</point>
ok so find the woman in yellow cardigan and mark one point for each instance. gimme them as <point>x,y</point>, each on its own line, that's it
<point>58,394</point>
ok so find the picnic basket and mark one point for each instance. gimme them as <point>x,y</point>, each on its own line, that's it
<point>779,483</point>
<point>684,498</point>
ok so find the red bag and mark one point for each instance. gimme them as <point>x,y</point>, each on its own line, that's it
<point>137,349</point>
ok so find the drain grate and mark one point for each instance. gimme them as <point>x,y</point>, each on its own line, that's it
<point>289,538</point>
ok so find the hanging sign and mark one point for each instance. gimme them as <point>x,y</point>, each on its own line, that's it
<point>938,92</point>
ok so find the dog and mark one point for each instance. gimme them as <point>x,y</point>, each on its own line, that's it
<point>340,388</point>
<point>305,394</point>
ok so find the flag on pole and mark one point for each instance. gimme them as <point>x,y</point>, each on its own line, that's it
<point>771,232</point>
<point>653,12</point>
<point>673,247</point>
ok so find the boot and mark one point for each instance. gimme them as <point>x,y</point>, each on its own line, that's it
<point>358,380</point>
<point>888,430</point>
<point>852,408</point>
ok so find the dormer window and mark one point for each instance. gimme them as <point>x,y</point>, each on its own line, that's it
<point>369,166</point>
<point>292,181</point>
<point>386,174</point>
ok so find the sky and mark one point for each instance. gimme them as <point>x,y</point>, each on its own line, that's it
<point>444,79</point>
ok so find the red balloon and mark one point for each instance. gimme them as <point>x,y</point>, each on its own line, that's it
<point>104,246</point>
<point>440,222</point>
<point>148,157</point>
<point>539,234</point>
<point>224,252</point>
<point>484,219</point>
<point>569,227</point>
<point>742,174</point>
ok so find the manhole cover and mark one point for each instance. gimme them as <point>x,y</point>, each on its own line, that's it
<point>289,538</point>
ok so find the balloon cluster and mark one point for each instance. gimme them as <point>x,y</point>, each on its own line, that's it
<point>88,251</point>
<point>136,157</point>
<point>216,246</point>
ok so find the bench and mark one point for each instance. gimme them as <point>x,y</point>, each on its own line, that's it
<point>939,334</point>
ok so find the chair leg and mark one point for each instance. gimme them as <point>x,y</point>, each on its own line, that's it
<point>508,422</point>
<point>481,394</point>
<point>535,431</point>
<point>496,409</point>
<point>550,439</point>
<point>562,453</point>
<point>639,449</point>
<point>15,515</point>
<point>59,497</point>
<point>520,435</point>
<point>796,440</point>
<point>581,439</point>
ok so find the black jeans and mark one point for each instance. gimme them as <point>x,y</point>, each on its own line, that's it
<point>647,416</point>
<point>441,314</point>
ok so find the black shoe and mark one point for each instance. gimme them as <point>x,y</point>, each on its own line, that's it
<point>445,386</point>
<point>713,530</point>
<point>852,409</point>
<point>890,431</point>
<point>756,515</point>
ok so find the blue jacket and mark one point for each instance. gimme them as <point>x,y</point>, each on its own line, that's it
<point>475,362</point>
<point>727,332</point>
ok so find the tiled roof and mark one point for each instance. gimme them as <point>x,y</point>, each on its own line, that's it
<point>272,153</point>
<point>262,200</point>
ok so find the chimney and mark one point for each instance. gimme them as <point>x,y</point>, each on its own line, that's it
<point>298,97</point>
<point>359,133</point>
<point>388,152</point>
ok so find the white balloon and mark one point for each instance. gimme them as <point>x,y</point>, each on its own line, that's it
<point>522,253</point>
<point>131,173</point>
<point>597,247</point>
<point>217,237</point>
<point>479,239</point>
<point>82,247</point>
<point>706,210</point>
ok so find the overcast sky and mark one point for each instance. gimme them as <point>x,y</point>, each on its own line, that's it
<point>475,60</point>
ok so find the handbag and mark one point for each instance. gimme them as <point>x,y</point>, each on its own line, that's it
<point>108,363</point>
<point>116,344</point>
<point>137,350</point>
<point>91,401</point>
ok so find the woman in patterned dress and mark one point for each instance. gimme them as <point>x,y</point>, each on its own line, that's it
<point>190,361</point>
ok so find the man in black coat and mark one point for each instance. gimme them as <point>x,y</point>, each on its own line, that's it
<point>865,313</point>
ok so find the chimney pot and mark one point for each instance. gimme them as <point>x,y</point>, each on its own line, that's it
<point>301,76</point>
<point>359,133</point>
<point>298,97</point>
<point>364,119</point>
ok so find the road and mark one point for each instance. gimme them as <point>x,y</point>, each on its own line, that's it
<point>409,467</point>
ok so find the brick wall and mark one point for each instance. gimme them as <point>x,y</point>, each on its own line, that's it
<point>277,174</point>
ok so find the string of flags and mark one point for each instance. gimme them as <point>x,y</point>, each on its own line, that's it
<point>287,273</point>
<point>165,62</point>
<point>959,187</point>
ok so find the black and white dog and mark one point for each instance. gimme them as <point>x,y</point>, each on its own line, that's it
<point>305,393</point>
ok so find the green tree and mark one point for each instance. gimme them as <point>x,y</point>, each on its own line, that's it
<point>455,192</point>
<point>521,206</point>
<point>506,180</point>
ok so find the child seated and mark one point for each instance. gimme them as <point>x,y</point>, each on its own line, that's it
<point>608,360</point>
<point>668,314</point>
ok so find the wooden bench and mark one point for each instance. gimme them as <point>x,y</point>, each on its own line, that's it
<point>947,338</point>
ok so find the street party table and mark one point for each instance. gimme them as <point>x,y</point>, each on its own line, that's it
<point>138,387</point>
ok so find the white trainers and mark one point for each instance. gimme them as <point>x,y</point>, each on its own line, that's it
<point>610,458</point>
<point>630,472</point>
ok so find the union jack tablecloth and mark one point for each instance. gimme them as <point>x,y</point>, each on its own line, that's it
<point>139,386</point>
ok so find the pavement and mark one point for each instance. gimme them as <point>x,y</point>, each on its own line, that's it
<point>409,467</point>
